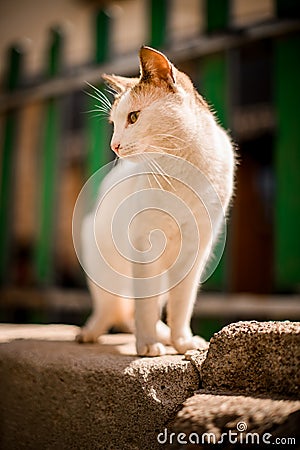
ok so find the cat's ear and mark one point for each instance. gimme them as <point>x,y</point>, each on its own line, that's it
<point>119,84</point>
<point>155,66</point>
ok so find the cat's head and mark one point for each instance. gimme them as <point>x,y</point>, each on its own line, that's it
<point>156,112</point>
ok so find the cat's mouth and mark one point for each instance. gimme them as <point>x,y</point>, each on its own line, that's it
<point>123,152</point>
<point>116,147</point>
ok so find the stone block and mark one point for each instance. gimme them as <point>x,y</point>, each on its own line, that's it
<point>62,395</point>
<point>234,422</point>
<point>254,358</point>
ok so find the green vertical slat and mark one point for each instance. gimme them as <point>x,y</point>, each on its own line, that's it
<point>287,163</point>
<point>97,127</point>
<point>55,53</point>
<point>14,70</point>
<point>158,29</point>
<point>217,15</point>
<point>99,152</point>
<point>6,166</point>
<point>44,251</point>
<point>102,27</point>
<point>214,84</point>
<point>214,88</point>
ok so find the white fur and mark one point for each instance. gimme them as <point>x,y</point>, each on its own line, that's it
<point>174,123</point>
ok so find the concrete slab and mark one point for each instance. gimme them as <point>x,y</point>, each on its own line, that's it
<point>62,395</point>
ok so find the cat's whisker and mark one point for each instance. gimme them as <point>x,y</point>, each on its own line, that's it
<point>129,147</point>
<point>111,91</point>
<point>155,171</point>
<point>100,105</point>
<point>152,169</point>
<point>100,94</point>
<point>158,166</point>
<point>97,115</point>
<point>97,110</point>
<point>100,114</point>
<point>159,147</point>
<point>102,97</point>
<point>100,108</point>
<point>115,161</point>
<point>156,179</point>
<point>162,173</point>
<point>149,181</point>
<point>101,102</point>
<point>141,156</point>
<point>172,139</point>
<point>170,136</point>
<point>104,105</point>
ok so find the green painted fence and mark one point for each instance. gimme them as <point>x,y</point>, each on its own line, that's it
<point>98,129</point>
<point>10,130</point>
<point>158,27</point>
<point>217,15</point>
<point>214,86</point>
<point>287,163</point>
<point>49,169</point>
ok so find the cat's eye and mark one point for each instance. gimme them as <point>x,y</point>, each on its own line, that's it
<point>133,117</point>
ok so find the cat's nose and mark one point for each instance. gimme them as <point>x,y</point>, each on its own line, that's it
<point>115,147</point>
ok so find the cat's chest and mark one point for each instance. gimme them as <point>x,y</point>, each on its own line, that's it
<point>154,201</point>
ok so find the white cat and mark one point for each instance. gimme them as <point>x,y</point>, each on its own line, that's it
<point>162,124</point>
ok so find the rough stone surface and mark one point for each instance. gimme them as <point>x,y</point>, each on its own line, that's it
<point>205,414</point>
<point>61,395</point>
<point>197,357</point>
<point>56,394</point>
<point>254,358</point>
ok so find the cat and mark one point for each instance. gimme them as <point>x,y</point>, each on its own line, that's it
<point>159,114</point>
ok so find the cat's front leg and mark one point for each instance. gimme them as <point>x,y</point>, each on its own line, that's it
<point>146,318</point>
<point>148,329</point>
<point>179,310</point>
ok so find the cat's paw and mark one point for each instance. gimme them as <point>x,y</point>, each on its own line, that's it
<point>155,349</point>
<point>85,336</point>
<point>183,344</point>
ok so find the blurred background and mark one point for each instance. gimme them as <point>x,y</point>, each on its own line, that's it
<point>243,56</point>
